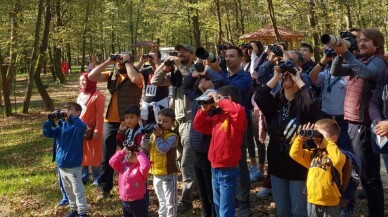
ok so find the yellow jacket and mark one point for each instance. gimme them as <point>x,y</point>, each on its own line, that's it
<point>321,188</point>
<point>163,163</point>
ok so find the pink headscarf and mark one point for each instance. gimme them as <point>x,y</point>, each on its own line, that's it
<point>91,86</point>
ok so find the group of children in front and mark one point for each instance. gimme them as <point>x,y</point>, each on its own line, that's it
<point>155,151</point>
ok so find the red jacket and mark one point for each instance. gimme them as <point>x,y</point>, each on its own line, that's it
<point>227,130</point>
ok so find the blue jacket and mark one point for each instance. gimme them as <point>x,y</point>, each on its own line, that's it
<point>69,137</point>
<point>242,81</point>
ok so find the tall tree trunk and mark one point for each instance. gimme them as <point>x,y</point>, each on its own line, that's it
<point>195,22</point>
<point>43,47</point>
<point>219,39</point>
<point>68,52</point>
<point>57,47</point>
<point>241,17</point>
<point>84,32</point>
<point>53,66</point>
<point>10,73</point>
<point>313,26</point>
<point>27,95</point>
<point>1,79</point>
<point>273,19</point>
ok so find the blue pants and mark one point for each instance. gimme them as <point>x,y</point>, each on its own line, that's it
<point>289,197</point>
<point>224,181</point>
<point>385,157</point>
<point>95,173</point>
<point>137,208</point>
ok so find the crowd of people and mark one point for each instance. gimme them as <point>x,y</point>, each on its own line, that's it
<point>326,122</point>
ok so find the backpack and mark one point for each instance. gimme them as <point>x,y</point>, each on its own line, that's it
<point>350,170</point>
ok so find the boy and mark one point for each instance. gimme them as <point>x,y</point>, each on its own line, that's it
<point>225,120</point>
<point>69,134</point>
<point>162,149</point>
<point>323,195</point>
<point>130,129</point>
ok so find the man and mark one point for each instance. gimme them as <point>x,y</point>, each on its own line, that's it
<point>363,73</point>
<point>307,52</point>
<point>154,98</point>
<point>173,72</point>
<point>125,87</point>
<point>242,81</point>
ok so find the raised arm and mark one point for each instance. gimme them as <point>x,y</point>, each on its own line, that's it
<point>96,73</point>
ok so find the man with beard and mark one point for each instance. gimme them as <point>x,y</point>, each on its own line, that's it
<point>124,84</point>
<point>363,73</point>
<point>173,72</point>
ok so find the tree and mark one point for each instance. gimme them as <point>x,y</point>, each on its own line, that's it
<point>273,19</point>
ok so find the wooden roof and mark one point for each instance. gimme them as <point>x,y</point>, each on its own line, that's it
<point>146,44</point>
<point>268,32</point>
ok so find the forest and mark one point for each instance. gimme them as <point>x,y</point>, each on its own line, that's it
<point>36,36</point>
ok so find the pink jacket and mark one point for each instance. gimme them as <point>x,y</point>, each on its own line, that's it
<point>132,177</point>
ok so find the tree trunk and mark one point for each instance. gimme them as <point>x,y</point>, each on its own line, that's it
<point>273,19</point>
<point>10,73</point>
<point>27,95</point>
<point>241,17</point>
<point>53,65</point>
<point>57,48</point>
<point>313,26</point>
<point>68,51</point>
<point>43,47</point>
<point>219,39</point>
<point>195,22</point>
<point>84,32</point>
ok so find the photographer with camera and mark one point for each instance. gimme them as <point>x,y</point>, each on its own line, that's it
<point>294,104</point>
<point>173,72</point>
<point>124,86</point>
<point>69,135</point>
<point>196,84</point>
<point>363,73</point>
<point>322,196</point>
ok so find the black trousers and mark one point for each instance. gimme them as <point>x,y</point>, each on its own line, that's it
<point>105,181</point>
<point>204,180</point>
<point>137,208</point>
<point>360,136</point>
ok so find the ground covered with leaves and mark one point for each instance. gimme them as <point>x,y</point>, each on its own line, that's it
<point>28,181</point>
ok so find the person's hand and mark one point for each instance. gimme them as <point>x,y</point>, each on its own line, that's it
<point>296,77</point>
<point>215,97</point>
<point>277,72</point>
<point>66,112</point>
<point>272,58</point>
<point>341,49</point>
<point>382,128</point>
<point>123,127</point>
<point>158,132</point>
<point>255,49</point>
<point>306,126</point>
<point>143,60</point>
<point>215,66</point>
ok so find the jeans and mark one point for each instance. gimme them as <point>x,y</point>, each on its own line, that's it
<point>135,208</point>
<point>75,190</point>
<point>360,135</point>
<point>385,157</point>
<point>244,184</point>
<point>224,182</point>
<point>85,173</point>
<point>289,197</point>
<point>166,189</point>
<point>105,180</point>
<point>204,180</point>
<point>187,164</point>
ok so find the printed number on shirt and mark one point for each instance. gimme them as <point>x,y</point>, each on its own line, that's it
<point>151,90</point>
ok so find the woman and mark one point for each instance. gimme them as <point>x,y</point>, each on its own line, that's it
<point>295,104</point>
<point>92,102</point>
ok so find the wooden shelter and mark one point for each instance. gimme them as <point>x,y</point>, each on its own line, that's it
<point>145,46</point>
<point>267,36</point>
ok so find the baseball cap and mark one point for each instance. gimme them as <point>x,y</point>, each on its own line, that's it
<point>205,96</point>
<point>185,46</point>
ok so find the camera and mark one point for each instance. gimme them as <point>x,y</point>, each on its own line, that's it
<point>205,55</point>
<point>174,53</point>
<point>276,49</point>
<point>330,52</point>
<point>311,134</point>
<point>199,67</point>
<point>131,146</point>
<point>116,57</point>
<point>332,40</point>
<point>149,128</point>
<point>287,66</point>
<point>57,115</point>
<point>246,46</point>
<point>169,63</point>
<point>147,56</point>
<point>206,102</point>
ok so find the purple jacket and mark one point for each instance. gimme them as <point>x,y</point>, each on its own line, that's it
<point>132,177</point>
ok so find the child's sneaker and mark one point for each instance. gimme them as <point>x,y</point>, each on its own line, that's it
<point>264,192</point>
<point>73,213</point>
<point>255,174</point>
<point>63,202</point>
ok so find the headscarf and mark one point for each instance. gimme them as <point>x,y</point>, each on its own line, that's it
<point>91,86</point>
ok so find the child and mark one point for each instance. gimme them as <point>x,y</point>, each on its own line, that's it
<point>130,129</point>
<point>69,137</point>
<point>132,167</point>
<point>226,122</point>
<point>162,149</point>
<point>323,195</point>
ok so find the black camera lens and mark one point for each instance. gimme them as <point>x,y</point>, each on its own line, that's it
<point>169,63</point>
<point>130,145</point>
<point>174,53</point>
<point>115,57</point>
